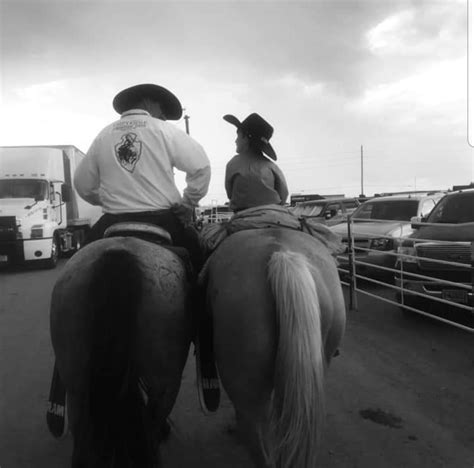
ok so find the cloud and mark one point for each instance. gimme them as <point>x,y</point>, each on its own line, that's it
<point>318,41</point>
<point>297,85</point>
<point>392,34</point>
<point>431,29</point>
<point>436,94</point>
<point>43,93</point>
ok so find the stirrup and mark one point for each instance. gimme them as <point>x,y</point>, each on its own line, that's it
<point>207,378</point>
<point>138,229</point>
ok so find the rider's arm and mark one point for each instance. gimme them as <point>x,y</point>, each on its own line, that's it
<point>189,156</point>
<point>228,181</point>
<point>280,184</point>
<point>86,177</point>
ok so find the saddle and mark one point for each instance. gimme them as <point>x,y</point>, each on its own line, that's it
<point>151,233</point>
<point>146,231</point>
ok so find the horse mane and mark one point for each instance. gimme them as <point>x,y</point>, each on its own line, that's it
<point>114,429</point>
<point>297,404</point>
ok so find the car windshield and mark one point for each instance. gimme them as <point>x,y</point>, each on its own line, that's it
<point>454,209</point>
<point>396,210</point>
<point>311,209</point>
<point>23,188</point>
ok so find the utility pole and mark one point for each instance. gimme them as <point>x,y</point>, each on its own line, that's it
<point>186,121</point>
<point>362,171</point>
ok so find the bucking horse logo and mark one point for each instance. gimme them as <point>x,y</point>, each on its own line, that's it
<point>128,151</point>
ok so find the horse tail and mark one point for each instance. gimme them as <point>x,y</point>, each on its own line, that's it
<point>113,426</point>
<point>297,403</point>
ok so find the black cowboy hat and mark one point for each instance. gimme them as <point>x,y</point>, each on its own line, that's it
<point>126,99</point>
<point>257,129</point>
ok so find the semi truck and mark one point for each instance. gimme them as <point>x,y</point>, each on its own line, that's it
<point>41,215</point>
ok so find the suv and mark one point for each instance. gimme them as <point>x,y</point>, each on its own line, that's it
<point>328,211</point>
<point>377,226</point>
<point>439,249</point>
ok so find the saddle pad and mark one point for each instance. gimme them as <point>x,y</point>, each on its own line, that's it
<point>268,216</point>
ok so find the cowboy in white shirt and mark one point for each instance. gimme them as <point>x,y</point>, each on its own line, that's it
<point>129,168</point>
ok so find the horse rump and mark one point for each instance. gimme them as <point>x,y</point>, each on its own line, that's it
<point>275,333</point>
<point>114,426</point>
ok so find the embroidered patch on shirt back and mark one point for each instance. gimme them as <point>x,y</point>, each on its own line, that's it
<point>128,151</point>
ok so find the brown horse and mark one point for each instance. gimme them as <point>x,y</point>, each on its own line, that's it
<point>121,330</point>
<point>279,317</point>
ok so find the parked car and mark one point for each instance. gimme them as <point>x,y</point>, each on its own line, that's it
<point>377,227</point>
<point>439,249</point>
<point>329,211</point>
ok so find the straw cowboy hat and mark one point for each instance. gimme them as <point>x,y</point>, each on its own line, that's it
<point>126,99</point>
<point>257,129</point>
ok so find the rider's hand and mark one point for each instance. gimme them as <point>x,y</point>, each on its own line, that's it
<point>184,213</point>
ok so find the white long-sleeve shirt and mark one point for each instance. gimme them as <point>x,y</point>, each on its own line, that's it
<point>129,166</point>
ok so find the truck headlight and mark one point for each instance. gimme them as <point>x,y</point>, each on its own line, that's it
<point>407,254</point>
<point>381,244</point>
<point>37,231</point>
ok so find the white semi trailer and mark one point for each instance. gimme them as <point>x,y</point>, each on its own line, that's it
<point>41,214</point>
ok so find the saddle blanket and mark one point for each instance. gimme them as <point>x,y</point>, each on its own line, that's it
<point>268,216</point>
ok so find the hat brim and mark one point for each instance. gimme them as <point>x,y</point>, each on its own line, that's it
<point>127,98</point>
<point>264,147</point>
<point>232,120</point>
<point>269,151</point>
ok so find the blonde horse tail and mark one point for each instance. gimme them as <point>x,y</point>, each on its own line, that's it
<point>297,404</point>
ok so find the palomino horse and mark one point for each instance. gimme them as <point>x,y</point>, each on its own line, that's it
<point>121,330</point>
<point>279,316</point>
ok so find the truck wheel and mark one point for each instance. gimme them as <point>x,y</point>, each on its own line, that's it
<point>53,260</point>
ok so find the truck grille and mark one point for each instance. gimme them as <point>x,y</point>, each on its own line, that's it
<point>455,253</point>
<point>7,228</point>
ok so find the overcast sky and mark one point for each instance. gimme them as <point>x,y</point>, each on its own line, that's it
<point>329,76</point>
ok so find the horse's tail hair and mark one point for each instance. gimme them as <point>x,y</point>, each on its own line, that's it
<point>298,403</point>
<point>114,424</point>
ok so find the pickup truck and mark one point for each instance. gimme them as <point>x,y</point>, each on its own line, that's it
<point>434,264</point>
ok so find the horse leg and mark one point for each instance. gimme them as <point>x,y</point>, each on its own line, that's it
<point>247,377</point>
<point>251,427</point>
